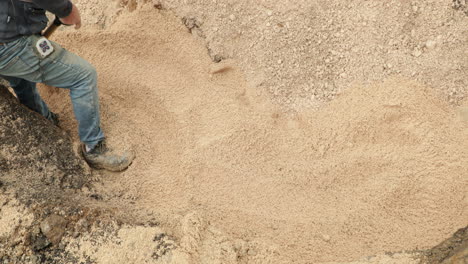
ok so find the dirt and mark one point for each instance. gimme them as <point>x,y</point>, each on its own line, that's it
<point>303,53</point>
<point>301,139</point>
<point>452,250</point>
<point>30,157</point>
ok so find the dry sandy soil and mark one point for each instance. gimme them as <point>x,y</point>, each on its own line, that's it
<point>272,131</point>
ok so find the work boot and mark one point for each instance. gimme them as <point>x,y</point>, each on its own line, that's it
<point>101,157</point>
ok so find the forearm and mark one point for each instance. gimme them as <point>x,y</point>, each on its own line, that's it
<point>61,8</point>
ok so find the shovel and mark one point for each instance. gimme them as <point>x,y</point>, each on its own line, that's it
<point>52,28</point>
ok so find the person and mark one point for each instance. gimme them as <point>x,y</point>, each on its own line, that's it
<point>27,58</point>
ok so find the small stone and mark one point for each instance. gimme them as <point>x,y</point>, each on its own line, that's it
<point>53,227</point>
<point>269,13</point>
<point>232,17</point>
<point>326,238</point>
<point>40,242</point>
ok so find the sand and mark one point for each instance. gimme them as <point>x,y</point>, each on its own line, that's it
<point>303,52</point>
<point>381,168</point>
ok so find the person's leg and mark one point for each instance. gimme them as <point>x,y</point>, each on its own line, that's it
<point>64,69</point>
<point>28,95</point>
<point>68,70</point>
<point>76,74</point>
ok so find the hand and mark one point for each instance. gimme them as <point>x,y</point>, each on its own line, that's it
<point>73,19</point>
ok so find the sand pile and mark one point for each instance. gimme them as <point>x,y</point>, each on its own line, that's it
<point>304,52</point>
<point>381,168</point>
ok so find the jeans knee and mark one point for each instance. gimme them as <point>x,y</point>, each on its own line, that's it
<point>87,83</point>
<point>91,73</point>
<point>89,77</point>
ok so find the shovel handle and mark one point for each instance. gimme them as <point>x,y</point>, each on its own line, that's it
<point>52,28</point>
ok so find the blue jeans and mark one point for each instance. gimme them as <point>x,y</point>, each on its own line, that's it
<point>23,66</point>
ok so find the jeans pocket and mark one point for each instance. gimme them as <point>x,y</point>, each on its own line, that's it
<point>20,61</point>
<point>4,68</point>
<point>9,54</point>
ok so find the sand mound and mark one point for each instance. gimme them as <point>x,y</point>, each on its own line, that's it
<point>304,52</point>
<point>381,168</point>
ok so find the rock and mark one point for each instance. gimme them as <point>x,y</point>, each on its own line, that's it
<point>326,238</point>
<point>53,227</point>
<point>232,17</point>
<point>40,242</point>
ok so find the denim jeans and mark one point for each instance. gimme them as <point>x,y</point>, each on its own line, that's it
<point>23,66</point>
